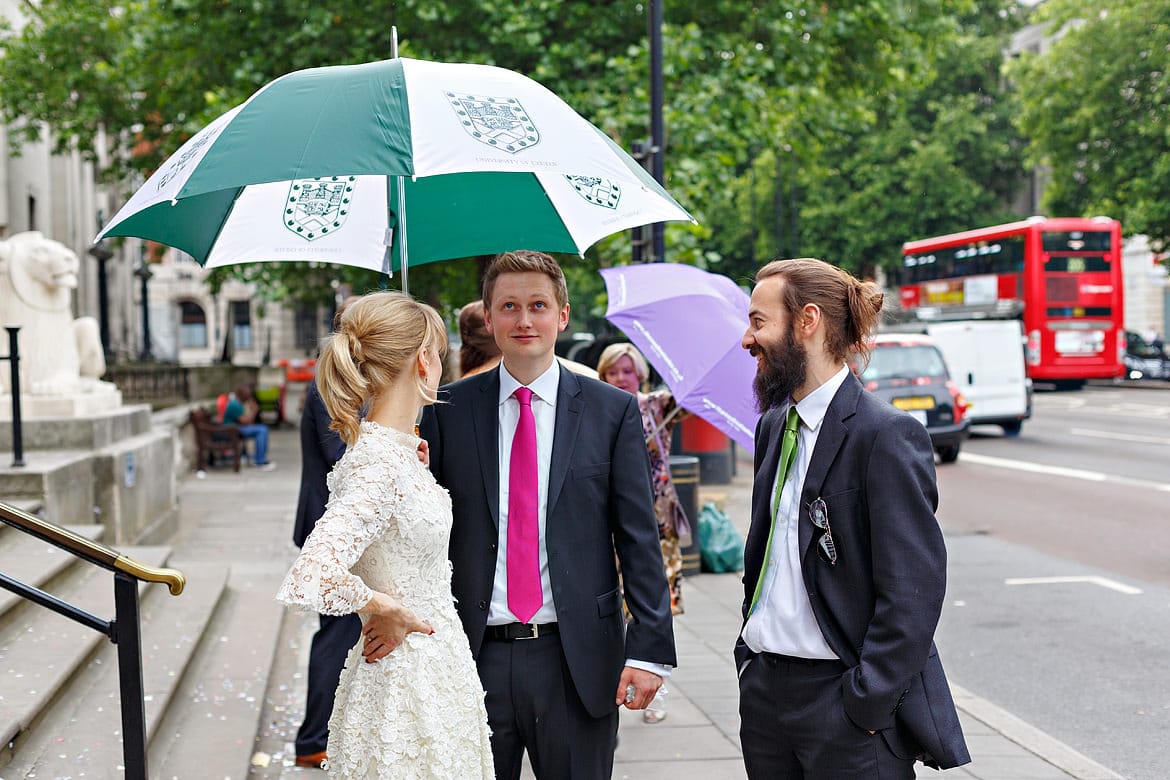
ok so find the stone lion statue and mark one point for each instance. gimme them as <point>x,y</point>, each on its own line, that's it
<point>60,355</point>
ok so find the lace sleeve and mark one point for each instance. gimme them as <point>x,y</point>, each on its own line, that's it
<point>364,495</point>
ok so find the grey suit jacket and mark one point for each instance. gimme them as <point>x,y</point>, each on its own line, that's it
<point>878,607</point>
<point>599,502</point>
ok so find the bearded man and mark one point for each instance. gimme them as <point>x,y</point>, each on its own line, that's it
<point>845,564</point>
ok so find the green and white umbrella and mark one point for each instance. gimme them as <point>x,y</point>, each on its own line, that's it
<point>401,159</point>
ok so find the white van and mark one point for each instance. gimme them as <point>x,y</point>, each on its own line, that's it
<point>986,361</point>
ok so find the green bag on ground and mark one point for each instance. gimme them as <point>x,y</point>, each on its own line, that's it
<point>720,545</point>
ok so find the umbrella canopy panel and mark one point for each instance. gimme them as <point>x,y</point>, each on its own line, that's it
<point>689,324</point>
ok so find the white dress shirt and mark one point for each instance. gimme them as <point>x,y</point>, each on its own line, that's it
<point>544,397</point>
<point>783,621</point>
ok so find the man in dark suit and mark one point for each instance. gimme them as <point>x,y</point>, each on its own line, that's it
<point>555,670</point>
<point>845,565</point>
<point>321,448</point>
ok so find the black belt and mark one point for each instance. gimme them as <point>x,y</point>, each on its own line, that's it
<point>509,632</point>
<point>792,659</point>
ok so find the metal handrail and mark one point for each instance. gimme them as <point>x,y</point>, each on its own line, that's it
<point>124,630</point>
<point>94,552</point>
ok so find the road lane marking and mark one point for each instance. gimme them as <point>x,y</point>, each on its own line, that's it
<point>1061,471</point>
<point>1035,468</point>
<point>1120,436</point>
<point>1104,582</point>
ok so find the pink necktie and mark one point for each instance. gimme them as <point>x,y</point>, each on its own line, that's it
<point>524,596</point>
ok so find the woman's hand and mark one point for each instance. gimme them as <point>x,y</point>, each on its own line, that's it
<point>387,627</point>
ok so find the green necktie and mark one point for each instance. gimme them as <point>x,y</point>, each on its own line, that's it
<point>787,458</point>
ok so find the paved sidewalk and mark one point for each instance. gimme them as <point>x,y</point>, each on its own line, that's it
<point>698,740</point>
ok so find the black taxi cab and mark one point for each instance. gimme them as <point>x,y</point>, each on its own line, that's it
<point>908,371</point>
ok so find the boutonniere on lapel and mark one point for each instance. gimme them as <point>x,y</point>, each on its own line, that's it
<point>818,512</point>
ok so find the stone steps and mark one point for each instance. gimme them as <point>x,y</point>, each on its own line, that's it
<point>33,562</point>
<point>41,651</point>
<point>82,731</point>
<point>216,715</point>
<point>208,653</point>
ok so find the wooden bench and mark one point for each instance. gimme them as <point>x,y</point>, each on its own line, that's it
<point>214,440</point>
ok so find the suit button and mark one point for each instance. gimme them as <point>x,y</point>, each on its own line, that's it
<point>493,546</point>
<point>483,605</point>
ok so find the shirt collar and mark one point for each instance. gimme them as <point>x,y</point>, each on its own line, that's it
<point>814,405</point>
<point>543,387</point>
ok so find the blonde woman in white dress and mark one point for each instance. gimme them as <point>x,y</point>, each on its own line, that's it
<point>381,549</point>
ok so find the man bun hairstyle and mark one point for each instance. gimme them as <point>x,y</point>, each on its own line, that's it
<point>376,341</point>
<point>850,307</point>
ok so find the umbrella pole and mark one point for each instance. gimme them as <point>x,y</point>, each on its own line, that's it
<point>402,255</point>
<point>401,198</point>
<point>661,425</point>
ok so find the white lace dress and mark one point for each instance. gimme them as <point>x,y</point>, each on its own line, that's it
<point>419,712</point>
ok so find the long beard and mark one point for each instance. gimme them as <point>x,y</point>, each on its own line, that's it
<point>782,372</point>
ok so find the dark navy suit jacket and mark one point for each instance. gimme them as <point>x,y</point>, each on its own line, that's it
<point>878,607</point>
<point>599,501</point>
<point>321,448</point>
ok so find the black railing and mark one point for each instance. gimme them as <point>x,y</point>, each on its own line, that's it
<point>13,358</point>
<point>124,630</point>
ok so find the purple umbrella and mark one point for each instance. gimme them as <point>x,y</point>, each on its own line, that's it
<point>689,323</point>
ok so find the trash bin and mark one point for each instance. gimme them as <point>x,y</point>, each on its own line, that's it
<point>684,469</point>
<point>711,446</point>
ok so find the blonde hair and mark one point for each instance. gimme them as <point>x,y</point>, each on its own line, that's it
<point>615,352</point>
<point>850,308</point>
<point>376,340</point>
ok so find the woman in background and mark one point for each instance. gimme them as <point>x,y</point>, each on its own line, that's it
<point>477,350</point>
<point>623,366</point>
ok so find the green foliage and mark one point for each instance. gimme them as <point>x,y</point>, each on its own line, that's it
<point>931,155</point>
<point>745,81</point>
<point>1096,108</point>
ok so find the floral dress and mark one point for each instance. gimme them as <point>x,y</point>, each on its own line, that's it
<point>658,421</point>
<point>419,712</point>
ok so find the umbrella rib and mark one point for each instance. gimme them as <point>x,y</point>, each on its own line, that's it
<point>219,228</point>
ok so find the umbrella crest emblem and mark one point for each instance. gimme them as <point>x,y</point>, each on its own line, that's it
<point>318,207</point>
<point>599,192</point>
<point>498,122</point>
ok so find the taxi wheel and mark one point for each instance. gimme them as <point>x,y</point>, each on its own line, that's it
<point>948,454</point>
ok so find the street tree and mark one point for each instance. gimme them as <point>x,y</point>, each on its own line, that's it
<point>740,78</point>
<point>1096,109</point>
<point>936,155</point>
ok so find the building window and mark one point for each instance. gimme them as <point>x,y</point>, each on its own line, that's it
<point>241,314</point>
<point>305,326</point>
<point>192,325</point>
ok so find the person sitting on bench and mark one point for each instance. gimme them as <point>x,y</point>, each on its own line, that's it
<point>243,411</point>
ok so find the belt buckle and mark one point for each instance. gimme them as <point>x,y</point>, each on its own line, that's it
<point>533,631</point>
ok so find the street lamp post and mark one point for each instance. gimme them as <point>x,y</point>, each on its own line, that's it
<point>101,252</point>
<point>143,273</point>
<point>657,140</point>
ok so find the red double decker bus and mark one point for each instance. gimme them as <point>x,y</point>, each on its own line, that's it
<point>1062,277</point>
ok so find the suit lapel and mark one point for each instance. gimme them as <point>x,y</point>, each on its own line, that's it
<point>569,406</point>
<point>485,420</point>
<point>829,440</point>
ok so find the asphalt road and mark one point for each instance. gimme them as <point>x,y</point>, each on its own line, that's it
<point>1059,562</point>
